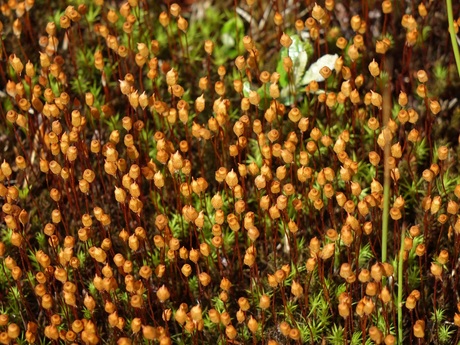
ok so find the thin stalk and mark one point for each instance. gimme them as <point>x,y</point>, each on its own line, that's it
<point>400,289</point>
<point>450,18</point>
<point>386,176</point>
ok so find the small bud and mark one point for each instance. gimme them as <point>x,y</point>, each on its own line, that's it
<point>209,47</point>
<point>182,24</point>
<point>163,294</point>
<point>419,329</point>
<point>387,7</point>
<point>278,19</point>
<point>435,107</point>
<point>285,40</point>
<point>231,332</point>
<point>422,76</point>
<point>318,12</point>
<point>16,64</point>
<point>341,43</point>
<point>355,22</point>
<point>374,68</point>
<point>422,11</point>
<point>353,53</point>
<point>325,72</point>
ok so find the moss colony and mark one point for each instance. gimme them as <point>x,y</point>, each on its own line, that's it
<point>229,172</point>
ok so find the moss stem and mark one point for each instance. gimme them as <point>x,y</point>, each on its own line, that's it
<point>386,174</point>
<point>450,18</point>
<point>400,289</point>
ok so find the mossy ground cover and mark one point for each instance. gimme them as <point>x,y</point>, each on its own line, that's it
<point>229,172</point>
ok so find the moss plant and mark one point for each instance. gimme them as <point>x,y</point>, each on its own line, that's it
<point>229,172</point>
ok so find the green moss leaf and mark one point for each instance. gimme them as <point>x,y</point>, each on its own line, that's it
<point>299,53</point>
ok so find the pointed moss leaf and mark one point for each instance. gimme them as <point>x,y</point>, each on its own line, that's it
<point>313,72</point>
<point>283,81</point>
<point>426,32</point>
<point>264,97</point>
<point>246,88</point>
<point>228,40</point>
<point>229,48</point>
<point>286,96</point>
<point>339,109</point>
<point>299,56</point>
